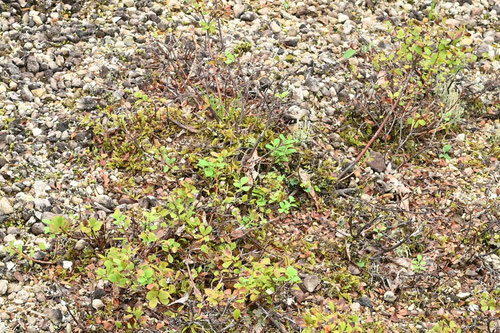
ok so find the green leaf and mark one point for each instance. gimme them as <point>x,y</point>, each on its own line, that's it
<point>204,248</point>
<point>446,148</point>
<point>349,53</point>
<point>164,297</point>
<point>236,314</point>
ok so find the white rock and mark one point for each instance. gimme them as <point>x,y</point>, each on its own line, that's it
<point>275,27</point>
<point>97,304</point>
<point>128,3</point>
<point>238,9</point>
<point>355,307</point>
<point>4,285</point>
<point>37,20</point>
<point>67,264</point>
<point>463,295</point>
<point>460,137</point>
<point>36,131</point>
<point>342,18</point>
<point>5,206</point>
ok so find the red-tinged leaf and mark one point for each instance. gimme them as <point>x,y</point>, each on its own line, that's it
<point>238,233</point>
<point>19,277</point>
<point>151,286</point>
<point>108,325</point>
<point>300,322</point>
<point>402,313</point>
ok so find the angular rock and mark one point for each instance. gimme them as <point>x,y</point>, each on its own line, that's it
<point>32,64</point>
<point>295,113</point>
<point>4,286</point>
<point>365,301</point>
<point>6,207</point>
<point>311,282</point>
<point>86,104</point>
<point>238,9</point>
<point>291,41</point>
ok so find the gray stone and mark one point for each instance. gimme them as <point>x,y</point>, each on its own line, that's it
<point>365,301</point>
<point>13,231</point>
<point>389,296</point>
<point>42,204</point>
<point>6,207</point>
<point>13,69</point>
<point>376,161</point>
<point>494,261</point>
<point>21,297</point>
<point>105,201</point>
<point>38,228</point>
<point>483,48</point>
<point>40,187</point>
<point>312,84</point>
<point>80,245</point>
<point>26,94</point>
<point>86,104</point>
<point>291,41</point>
<point>55,316</point>
<point>336,39</point>
<point>248,16</point>
<point>295,113</point>
<point>32,64</point>
<point>311,282</point>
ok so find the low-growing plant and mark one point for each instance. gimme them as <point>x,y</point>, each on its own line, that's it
<point>418,264</point>
<point>281,148</point>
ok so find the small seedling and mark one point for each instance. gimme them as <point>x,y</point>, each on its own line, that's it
<point>281,148</point>
<point>230,58</point>
<point>209,27</point>
<point>418,265</point>
<point>349,53</point>
<point>241,184</point>
<point>444,154</point>
<point>286,205</point>
<point>417,121</point>
<point>282,95</point>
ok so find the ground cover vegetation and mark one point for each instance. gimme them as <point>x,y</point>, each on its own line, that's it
<point>252,228</point>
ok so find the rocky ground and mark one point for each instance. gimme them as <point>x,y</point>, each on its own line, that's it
<point>63,62</point>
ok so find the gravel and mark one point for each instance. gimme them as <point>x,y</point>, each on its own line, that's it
<point>61,61</point>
